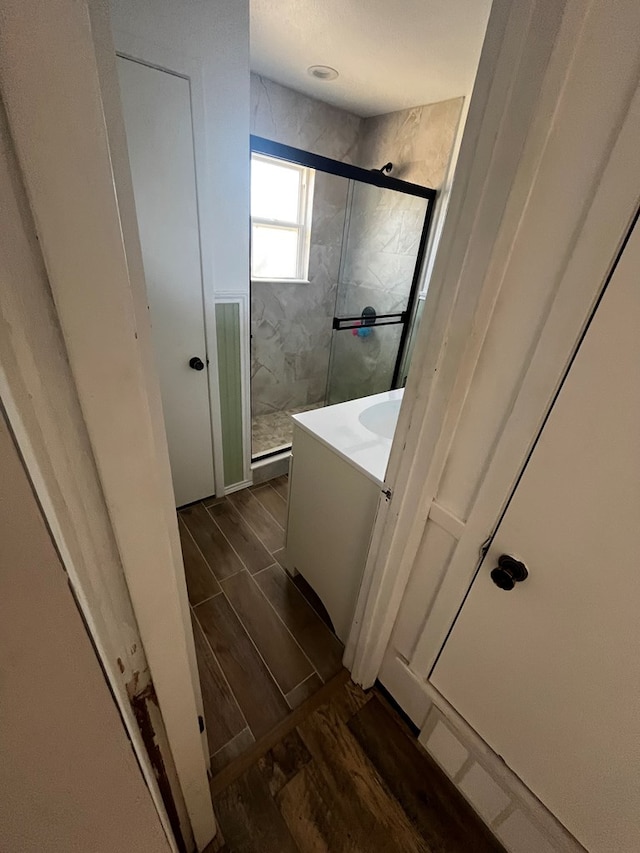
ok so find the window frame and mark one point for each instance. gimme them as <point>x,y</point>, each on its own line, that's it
<point>302,224</point>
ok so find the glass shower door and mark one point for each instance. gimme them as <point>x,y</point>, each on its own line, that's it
<point>376,287</point>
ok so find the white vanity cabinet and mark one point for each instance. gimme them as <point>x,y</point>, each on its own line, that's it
<point>332,507</point>
<point>335,481</point>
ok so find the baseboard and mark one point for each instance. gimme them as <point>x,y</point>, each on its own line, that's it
<point>513,814</point>
<point>510,810</point>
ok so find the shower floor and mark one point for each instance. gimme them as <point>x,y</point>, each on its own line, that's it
<point>274,430</point>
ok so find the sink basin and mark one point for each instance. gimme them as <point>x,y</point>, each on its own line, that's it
<point>381,418</point>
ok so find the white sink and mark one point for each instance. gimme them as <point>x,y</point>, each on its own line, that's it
<point>381,418</point>
<point>360,431</point>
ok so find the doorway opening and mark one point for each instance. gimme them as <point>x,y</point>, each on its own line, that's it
<point>343,200</point>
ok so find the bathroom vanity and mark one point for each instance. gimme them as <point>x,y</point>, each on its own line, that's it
<point>339,459</point>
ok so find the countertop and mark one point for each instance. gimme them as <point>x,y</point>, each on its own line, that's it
<point>339,428</point>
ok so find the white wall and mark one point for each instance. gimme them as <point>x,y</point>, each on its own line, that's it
<point>69,780</point>
<point>215,36</point>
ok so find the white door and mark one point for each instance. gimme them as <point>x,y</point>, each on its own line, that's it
<point>157,114</point>
<point>548,673</point>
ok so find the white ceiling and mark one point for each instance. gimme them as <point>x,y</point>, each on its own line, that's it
<point>391,54</point>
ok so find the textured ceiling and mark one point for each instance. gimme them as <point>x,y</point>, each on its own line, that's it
<point>390,55</point>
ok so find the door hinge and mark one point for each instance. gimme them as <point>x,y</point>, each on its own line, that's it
<point>387,493</point>
<point>485,546</point>
<point>200,724</point>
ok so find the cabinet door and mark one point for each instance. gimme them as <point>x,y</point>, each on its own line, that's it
<point>548,673</point>
<point>332,507</point>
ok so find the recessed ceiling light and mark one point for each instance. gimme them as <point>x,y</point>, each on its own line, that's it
<point>322,72</point>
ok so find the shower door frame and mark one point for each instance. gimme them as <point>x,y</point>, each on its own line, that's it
<point>280,151</point>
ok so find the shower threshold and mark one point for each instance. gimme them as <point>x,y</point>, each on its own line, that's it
<point>272,433</point>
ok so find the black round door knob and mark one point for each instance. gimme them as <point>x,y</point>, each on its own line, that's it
<point>196,363</point>
<point>509,572</point>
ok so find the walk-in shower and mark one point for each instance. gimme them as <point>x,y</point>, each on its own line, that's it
<point>336,256</point>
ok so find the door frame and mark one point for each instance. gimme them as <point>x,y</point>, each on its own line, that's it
<point>243,301</point>
<point>532,81</point>
<point>47,428</point>
<point>96,450</point>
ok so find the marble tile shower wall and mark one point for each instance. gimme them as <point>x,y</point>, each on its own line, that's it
<point>378,263</point>
<point>380,250</point>
<point>418,141</point>
<point>288,117</point>
<point>385,226</point>
<point>291,324</point>
<point>384,233</point>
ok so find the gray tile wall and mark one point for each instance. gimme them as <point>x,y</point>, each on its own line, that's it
<point>291,323</point>
<point>417,141</point>
<point>378,262</point>
<point>288,117</point>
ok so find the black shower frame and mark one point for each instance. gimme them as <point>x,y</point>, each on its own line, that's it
<point>260,145</point>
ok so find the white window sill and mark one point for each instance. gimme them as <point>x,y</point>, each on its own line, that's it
<point>280,281</point>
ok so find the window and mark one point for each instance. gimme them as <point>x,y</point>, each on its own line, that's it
<point>281,201</point>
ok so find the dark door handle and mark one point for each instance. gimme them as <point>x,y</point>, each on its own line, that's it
<point>509,572</point>
<point>196,363</point>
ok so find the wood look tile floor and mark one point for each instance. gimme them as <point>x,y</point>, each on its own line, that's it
<point>345,774</point>
<point>302,760</point>
<point>262,641</point>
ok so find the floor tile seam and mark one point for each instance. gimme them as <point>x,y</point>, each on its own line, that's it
<point>287,629</point>
<point>224,675</point>
<point>253,529</point>
<point>260,485</point>
<point>208,598</point>
<point>255,645</point>
<point>304,680</point>
<point>247,728</point>
<point>266,568</point>
<point>198,548</point>
<point>242,562</point>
